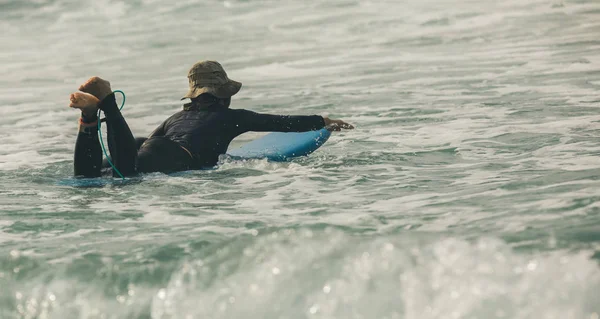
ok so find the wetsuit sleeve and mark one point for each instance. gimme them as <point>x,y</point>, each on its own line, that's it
<point>257,122</point>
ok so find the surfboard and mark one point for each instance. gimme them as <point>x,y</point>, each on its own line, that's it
<point>279,146</point>
<point>276,146</point>
<point>98,181</point>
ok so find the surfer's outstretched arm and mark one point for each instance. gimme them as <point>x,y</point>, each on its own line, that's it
<point>251,121</point>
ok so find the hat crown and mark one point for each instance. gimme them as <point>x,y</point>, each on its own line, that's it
<point>207,73</point>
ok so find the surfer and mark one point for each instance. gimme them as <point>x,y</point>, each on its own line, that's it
<point>190,139</point>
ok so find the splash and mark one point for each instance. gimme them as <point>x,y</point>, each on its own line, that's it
<point>301,274</point>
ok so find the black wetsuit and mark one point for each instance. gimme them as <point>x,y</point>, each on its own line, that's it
<point>190,139</point>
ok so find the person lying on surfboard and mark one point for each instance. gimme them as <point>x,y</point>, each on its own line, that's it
<point>190,139</point>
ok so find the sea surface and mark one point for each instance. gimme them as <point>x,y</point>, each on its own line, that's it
<point>470,187</point>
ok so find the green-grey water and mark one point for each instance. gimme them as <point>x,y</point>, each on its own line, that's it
<point>469,188</point>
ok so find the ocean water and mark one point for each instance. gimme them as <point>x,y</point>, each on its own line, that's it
<point>470,187</point>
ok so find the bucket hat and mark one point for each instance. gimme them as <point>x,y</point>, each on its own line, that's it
<point>210,77</point>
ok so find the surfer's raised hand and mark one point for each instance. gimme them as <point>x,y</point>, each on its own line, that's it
<point>97,87</point>
<point>336,125</point>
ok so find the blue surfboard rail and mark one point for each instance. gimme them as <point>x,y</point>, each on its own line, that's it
<point>278,146</point>
<point>97,182</point>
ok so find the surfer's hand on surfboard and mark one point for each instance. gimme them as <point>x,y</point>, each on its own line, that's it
<point>336,125</point>
<point>97,87</point>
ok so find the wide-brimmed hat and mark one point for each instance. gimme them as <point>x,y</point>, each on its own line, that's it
<point>210,77</point>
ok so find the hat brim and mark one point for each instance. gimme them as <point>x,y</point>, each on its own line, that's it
<point>224,91</point>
